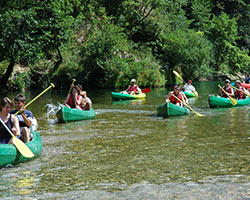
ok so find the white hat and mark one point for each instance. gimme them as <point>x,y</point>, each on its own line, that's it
<point>133,80</point>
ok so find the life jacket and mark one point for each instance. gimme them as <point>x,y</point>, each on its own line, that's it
<point>5,135</point>
<point>239,94</point>
<point>228,90</point>
<point>71,103</point>
<point>174,100</point>
<point>133,88</point>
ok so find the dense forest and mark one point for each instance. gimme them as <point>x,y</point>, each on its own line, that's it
<point>105,43</point>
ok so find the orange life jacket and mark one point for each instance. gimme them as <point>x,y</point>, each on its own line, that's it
<point>133,88</point>
<point>71,103</point>
<point>174,100</point>
<point>228,90</point>
<point>239,94</point>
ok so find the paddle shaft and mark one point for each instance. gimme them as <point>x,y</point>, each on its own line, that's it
<point>52,85</point>
<point>187,105</point>
<point>241,91</point>
<point>179,76</point>
<point>71,87</point>
<point>233,101</point>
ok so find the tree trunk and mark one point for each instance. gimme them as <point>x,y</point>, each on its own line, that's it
<point>58,62</point>
<point>4,79</point>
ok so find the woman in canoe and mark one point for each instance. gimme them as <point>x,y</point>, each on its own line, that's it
<point>10,121</point>
<point>240,92</point>
<point>227,88</point>
<point>133,88</point>
<point>74,99</point>
<point>86,103</point>
<point>189,87</point>
<point>177,97</point>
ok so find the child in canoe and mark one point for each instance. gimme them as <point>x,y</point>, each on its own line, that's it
<point>177,97</point>
<point>10,121</point>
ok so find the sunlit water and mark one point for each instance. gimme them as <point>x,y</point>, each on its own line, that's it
<point>127,152</point>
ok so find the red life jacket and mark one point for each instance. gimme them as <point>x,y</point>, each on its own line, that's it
<point>173,100</point>
<point>239,94</point>
<point>228,90</point>
<point>133,88</point>
<point>71,102</point>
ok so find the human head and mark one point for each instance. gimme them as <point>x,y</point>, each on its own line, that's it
<point>237,83</point>
<point>189,82</point>
<point>79,87</point>
<point>5,102</point>
<point>227,82</point>
<point>133,81</point>
<point>84,93</point>
<point>19,101</point>
<point>75,90</point>
<point>177,88</point>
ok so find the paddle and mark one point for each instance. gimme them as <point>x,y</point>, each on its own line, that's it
<point>146,90</point>
<point>71,87</point>
<point>179,76</point>
<point>198,114</point>
<point>233,101</point>
<point>241,91</point>
<point>22,148</point>
<point>51,85</point>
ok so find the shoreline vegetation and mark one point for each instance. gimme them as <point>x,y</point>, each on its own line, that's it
<point>104,44</point>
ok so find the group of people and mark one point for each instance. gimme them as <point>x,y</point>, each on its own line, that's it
<point>78,99</point>
<point>21,124</point>
<point>238,93</point>
<point>177,96</point>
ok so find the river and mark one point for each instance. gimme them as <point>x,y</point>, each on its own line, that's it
<point>127,152</point>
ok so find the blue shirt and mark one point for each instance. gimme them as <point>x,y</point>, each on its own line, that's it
<point>27,113</point>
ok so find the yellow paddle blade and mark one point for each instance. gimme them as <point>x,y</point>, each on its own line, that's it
<point>233,101</point>
<point>177,74</point>
<point>22,148</point>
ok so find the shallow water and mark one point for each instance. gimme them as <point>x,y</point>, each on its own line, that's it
<point>127,152</point>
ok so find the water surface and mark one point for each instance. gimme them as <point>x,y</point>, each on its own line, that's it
<point>127,152</point>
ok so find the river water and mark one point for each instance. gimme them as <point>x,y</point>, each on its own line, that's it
<point>127,152</point>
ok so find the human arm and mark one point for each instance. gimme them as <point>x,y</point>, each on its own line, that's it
<point>26,119</point>
<point>16,127</point>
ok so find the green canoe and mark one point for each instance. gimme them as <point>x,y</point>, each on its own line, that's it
<point>121,96</point>
<point>190,95</point>
<point>169,109</point>
<point>65,114</point>
<point>10,155</point>
<point>221,102</point>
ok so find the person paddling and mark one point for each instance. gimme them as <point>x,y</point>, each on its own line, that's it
<point>241,91</point>
<point>189,87</point>
<point>86,103</point>
<point>74,99</point>
<point>176,93</point>
<point>25,117</point>
<point>10,120</point>
<point>227,88</point>
<point>133,88</point>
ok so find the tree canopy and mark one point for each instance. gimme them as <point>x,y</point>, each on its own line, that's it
<point>106,43</point>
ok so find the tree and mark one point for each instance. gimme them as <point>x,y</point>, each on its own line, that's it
<point>31,30</point>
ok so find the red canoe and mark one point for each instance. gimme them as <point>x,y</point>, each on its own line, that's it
<point>245,85</point>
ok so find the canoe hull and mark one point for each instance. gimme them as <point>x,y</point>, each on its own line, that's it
<point>10,155</point>
<point>121,96</point>
<point>66,114</point>
<point>221,102</point>
<point>169,109</point>
<point>190,95</point>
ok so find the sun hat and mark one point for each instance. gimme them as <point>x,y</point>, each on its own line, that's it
<point>227,81</point>
<point>238,81</point>
<point>189,81</point>
<point>133,81</point>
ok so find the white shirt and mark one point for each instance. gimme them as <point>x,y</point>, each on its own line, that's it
<point>189,88</point>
